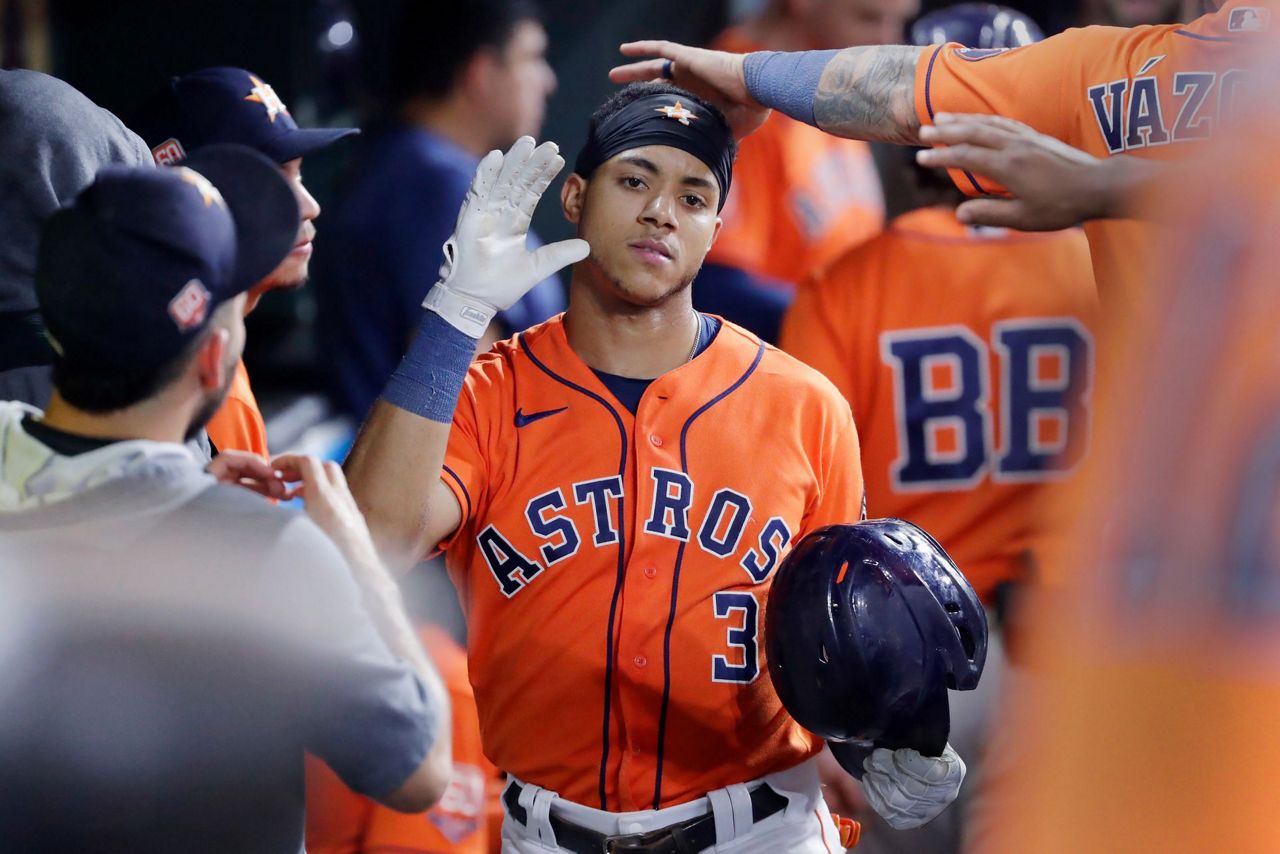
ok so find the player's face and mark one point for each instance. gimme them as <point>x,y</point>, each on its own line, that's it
<point>649,214</point>
<point>850,23</point>
<point>520,84</point>
<point>1133,13</point>
<point>292,272</point>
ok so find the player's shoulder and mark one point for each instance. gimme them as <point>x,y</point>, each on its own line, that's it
<point>493,373</point>
<point>781,374</point>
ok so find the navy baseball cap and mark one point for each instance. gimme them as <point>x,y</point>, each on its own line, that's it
<point>130,272</point>
<point>225,105</point>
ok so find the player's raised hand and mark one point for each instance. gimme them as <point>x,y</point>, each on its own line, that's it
<point>487,267</point>
<point>1051,185</point>
<point>712,74</point>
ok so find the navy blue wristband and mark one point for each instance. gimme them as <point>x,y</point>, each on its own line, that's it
<point>786,81</point>
<point>430,376</point>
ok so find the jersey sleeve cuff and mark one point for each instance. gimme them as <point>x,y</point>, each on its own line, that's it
<point>929,69</point>
<point>452,475</point>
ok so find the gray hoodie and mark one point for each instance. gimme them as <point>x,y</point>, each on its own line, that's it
<point>169,647</point>
<point>53,140</point>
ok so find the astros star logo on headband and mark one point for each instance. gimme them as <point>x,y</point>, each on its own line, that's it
<point>267,97</point>
<point>678,112</point>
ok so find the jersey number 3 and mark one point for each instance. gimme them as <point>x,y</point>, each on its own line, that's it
<point>943,402</point>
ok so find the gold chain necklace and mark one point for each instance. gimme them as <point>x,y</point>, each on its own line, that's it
<point>697,337</point>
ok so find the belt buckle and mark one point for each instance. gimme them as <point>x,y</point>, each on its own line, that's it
<point>636,841</point>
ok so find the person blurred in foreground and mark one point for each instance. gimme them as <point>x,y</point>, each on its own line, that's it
<point>174,643</point>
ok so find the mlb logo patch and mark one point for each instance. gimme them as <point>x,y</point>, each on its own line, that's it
<point>169,152</point>
<point>190,307</point>
<point>1248,19</point>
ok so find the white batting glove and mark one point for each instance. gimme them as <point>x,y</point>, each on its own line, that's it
<point>487,267</point>
<point>908,789</point>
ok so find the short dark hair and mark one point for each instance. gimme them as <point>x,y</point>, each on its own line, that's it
<point>100,389</point>
<point>635,91</point>
<point>434,41</point>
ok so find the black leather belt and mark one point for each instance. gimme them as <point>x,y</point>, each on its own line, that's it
<point>685,837</point>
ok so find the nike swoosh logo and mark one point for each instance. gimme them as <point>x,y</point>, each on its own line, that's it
<point>523,420</point>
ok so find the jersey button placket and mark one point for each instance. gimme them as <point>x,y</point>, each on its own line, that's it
<point>655,440</point>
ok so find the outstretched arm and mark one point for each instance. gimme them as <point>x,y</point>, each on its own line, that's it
<point>394,468</point>
<point>1050,184</point>
<point>859,92</point>
<point>869,93</point>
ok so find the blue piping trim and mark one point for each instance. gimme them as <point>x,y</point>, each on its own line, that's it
<point>675,578</point>
<point>467,495</point>
<point>1203,38</point>
<point>928,105</point>
<point>622,536</point>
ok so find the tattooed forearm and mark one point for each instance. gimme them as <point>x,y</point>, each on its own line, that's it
<point>869,93</point>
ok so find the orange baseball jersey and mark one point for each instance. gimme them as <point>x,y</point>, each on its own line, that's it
<point>1154,729</point>
<point>613,568</point>
<point>967,356</point>
<point>341,822</point>
<point>238,424</point>
<point>800,196</point>
<point>1150,92</point>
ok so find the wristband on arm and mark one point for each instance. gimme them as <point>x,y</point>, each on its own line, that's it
<point>430,376</point>
<point>786,81</point>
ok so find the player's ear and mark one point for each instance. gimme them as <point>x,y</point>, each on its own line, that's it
<point>572,195</point>
<point>211,359</point>
<point>477,77</point>
<point>715,233</point>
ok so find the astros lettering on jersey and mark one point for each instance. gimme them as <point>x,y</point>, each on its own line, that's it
<point>614,568</point>
<point>1145,91</point>
<point>968,357</point>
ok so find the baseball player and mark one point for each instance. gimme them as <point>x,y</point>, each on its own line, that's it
<point>1164,659</point>
<point>800,197</point>
<point>1148,92</point>
<point>613,493</point>
<point>220,105</point>
<point>972,390</point>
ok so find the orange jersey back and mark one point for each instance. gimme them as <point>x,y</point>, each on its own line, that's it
<point>1165,665</point>
<point>238,424</point>
<point>341,822</point>
<point>1151,92</point>
<point>613,568</point>
<point>800,196</point>
<point>967,356</point>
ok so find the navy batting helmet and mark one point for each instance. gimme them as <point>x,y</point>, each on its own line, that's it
<point>983,26</point>
<point>867,627</point>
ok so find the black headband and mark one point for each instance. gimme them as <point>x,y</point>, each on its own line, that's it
<point>662,119</point>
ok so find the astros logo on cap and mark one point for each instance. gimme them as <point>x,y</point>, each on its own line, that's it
<point>208,192</point>
<point>678,112</point>
<point>263,94</point>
